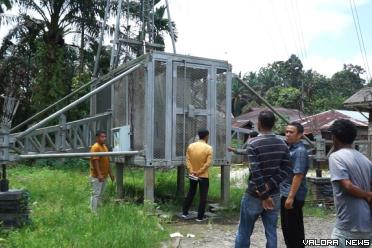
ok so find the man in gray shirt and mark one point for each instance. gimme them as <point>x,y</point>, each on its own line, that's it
<point>351,176</point>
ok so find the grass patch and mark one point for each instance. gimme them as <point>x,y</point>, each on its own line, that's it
<point>61,216</point>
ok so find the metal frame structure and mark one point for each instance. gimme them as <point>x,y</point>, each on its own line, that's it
<point>171,62</point>
<point>69,139</point>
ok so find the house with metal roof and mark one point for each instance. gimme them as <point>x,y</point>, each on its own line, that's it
<point>319,123</point>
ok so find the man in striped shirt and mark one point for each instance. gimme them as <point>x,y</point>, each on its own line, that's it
<point>268,156</point>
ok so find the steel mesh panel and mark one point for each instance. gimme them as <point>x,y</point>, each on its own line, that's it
<point>192,87</point>
<point>188,133</point>
<point>136,107</point>
<point>220,150</point>
<point>159,110</point>
<point>103,100</point>
<point>198,87</point>
<point>121,100</point>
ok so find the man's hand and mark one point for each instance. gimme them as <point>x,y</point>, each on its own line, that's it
<point>266,190</point>
<point>112,178</point>
<point>268,204</point>
<point>230,149</point>
<point>289,203</point>
<point>101,178</point>
<point>369,198</point>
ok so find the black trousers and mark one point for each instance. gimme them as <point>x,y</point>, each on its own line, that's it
<point>203,190</point>
<point>292,224</point>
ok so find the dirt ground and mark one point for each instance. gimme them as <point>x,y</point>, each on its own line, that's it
<point>221,234</point>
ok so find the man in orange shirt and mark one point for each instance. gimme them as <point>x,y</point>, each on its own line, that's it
<point>99,170</point>
<point>198,160</point>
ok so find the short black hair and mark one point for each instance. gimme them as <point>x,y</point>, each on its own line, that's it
<point>267,119</point>
<point>344,130</point>
<point>299,127</point>
<point>99,132</point>
<point>253,134</point>
<point>203,133</point>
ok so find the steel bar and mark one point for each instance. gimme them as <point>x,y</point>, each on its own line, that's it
<point>114,51</point>
<point>79,154</point>
<point>76,102</point>
<point>170,26</point>
<point>107,11</point>
<point>269,105</point>
<point>51,106</point>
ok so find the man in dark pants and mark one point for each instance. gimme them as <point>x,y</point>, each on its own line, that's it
<point>293,190</point>
<point>269,166</point>
<point>198,160</point>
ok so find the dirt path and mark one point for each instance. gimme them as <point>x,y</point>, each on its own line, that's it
<point>221,235</point>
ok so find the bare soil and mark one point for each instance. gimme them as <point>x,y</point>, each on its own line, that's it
<point>221,233</point>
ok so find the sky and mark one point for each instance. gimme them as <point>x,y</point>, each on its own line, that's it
<point>249,34</point>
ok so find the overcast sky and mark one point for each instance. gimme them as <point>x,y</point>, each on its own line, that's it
<point>250,34</point>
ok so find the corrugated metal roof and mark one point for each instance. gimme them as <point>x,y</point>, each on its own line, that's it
<point>355,114</point>
<point>315,123</point>
<point>252,116</point>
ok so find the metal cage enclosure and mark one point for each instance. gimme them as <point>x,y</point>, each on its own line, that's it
<point>166,101</point>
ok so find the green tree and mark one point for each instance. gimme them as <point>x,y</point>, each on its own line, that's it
<point>348,81</point>
<point>286,97</point>
<point>239,98</point>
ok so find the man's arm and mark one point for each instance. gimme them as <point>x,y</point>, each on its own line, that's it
<point>207,163</point>
<point>240,151</point>
<point>97,168</point>
<point>285,169</point>
<point>354,190</point>
<point>188,163</point>
<point>339,173</point>
<point>95,161</point>
<point>300,166</point>
<point>255,170</point>
<point>110,173</point>
<point>296,182</point>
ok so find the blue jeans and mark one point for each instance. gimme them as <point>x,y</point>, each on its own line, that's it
<point>250,209</point>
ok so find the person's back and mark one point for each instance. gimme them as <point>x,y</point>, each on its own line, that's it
<point>270,153</point>
<point>353,214</point>
<point>351,177</point>
<point>269,166</point>
<point>198,154</point>
<point>198,160</point>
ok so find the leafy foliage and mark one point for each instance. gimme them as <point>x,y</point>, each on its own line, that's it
<point>51,48</point>
<point>286,84</point>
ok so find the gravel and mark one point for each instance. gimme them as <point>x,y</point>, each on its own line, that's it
<point>221,235</point>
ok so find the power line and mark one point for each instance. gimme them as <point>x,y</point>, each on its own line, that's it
<point>279,28</point>
<point>360,38</point>
<point>293,30</point>
<point>268,33</point>
<point>300,27</point>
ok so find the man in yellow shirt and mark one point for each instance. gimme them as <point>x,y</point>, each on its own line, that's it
<point>99,170</point>
<point>198,160</point>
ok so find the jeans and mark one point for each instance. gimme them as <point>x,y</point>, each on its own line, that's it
<point>97,193</point>
<point>342,235</point>
<point>250,209</point>
<point>203,190</point>
<point>292,221</point>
